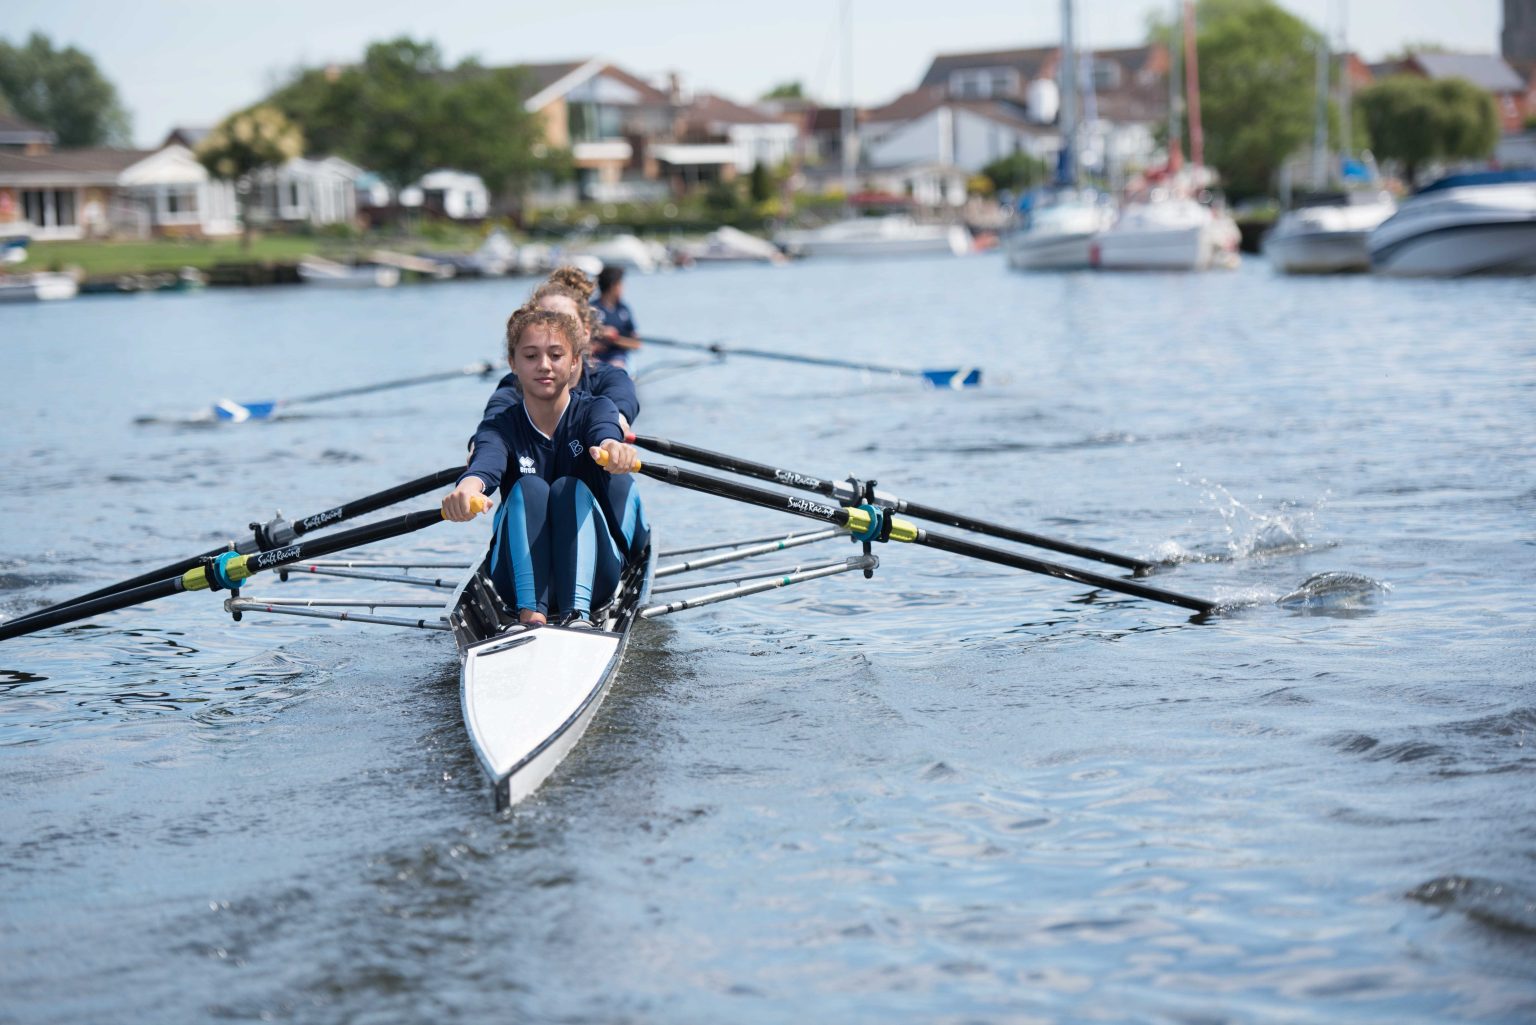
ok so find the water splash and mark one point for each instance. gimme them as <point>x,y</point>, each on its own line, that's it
<point>1335,591</point>
<point>1484,900</point>
<point>1250,533</point>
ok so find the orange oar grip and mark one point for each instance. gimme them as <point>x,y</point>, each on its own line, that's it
<point>479,503</point>
<point>601,459</point>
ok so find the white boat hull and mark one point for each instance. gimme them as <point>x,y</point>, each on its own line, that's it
<point>529,695</point>
<point>1034,251</point>
<point>878,237</point>
<point>1167,249</point>
<point>1461,226</point>
<point>40,287</point>
<point>1323,252</point>
<point>329,275</point>
<point>1500,247</point>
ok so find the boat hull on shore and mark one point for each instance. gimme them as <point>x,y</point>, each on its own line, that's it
<point>43,286</point>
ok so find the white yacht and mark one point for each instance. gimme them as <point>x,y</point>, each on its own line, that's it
<point>1483,223</point>
<point>1327,234</point>
<point>892,235</point>
<point>1059,234</point>
<point>1168,231</point>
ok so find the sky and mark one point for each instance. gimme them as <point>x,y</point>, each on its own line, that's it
<point>190,62</point>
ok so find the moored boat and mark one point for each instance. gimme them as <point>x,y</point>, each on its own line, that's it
<point>314,271</point>
<point>892,235</point>
<point>1327,234</point>
<point>1167,232</point>
<point>1483,223</point>
<point>42,286</point>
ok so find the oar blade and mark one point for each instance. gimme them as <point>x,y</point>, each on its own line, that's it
<point>964,377</point>
<point>230,411</point>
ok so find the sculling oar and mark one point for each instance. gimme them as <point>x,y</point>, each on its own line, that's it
<point>229,411</point>
<point>872,523</point>
<point>275,533</point>
<point>962,377</point>
<point>844,491</point>
<point>228,570</point>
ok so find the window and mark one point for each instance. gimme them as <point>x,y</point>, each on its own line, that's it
<point>982,83</point>
<point>1106,74</point>
<point>590,122</point>
<point>181,202</point>
<point>49,208</point>
<point>293,194</point>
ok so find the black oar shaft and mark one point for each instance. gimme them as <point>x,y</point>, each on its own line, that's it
<point>906,532</point>
<point>986,553</point>
<point>785,357</point>
<point>253,542</point>
<point>844,492</point>
<point>241,568</point>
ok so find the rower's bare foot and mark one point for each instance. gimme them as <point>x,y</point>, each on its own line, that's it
<point>528,617</point>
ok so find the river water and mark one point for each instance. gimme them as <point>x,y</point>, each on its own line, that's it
<point>953,793</point>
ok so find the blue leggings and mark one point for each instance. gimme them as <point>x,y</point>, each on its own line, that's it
<point>553,551</point>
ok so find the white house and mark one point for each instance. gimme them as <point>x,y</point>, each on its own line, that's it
<point>928,127</point>
<point>454,194</point>
<point>757,138</point>
<point>73,194</point>
<point>304,190</point>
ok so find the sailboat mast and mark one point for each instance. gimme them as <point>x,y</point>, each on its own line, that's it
<point>1320,119</point>
<point>847,120</point>
<point>1346,122</point>
<point>1192,87</point>
<point>1175,98</point>
<point>1066,167</point>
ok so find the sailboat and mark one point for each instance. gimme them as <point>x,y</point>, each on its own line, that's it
<point>1326,230</point>
<point>1058,230</point>
<point>1174,220</point>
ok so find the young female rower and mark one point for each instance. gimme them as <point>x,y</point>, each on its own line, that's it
<point>569,291</point>
<point>563,534</point>
<point>616,338</point>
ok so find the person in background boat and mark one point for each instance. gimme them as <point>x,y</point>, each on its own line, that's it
<point>617,336</point>
<point>564,532</point>
<point>569,291</point>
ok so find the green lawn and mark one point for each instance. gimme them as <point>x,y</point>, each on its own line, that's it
<point>106,257</point>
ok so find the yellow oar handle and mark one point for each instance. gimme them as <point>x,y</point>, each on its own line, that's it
<point>601,459</point>
<point>479,504</point>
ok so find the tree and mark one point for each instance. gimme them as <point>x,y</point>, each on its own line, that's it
<point>760,187</point>
<point>245,143</point>
<point>62,90</point>
<point>1256,87</point>
<point>1414,120</point>
<point>1016,172</point>
<point>786,91</point>
<point>401,113</point>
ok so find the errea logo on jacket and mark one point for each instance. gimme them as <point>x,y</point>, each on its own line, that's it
<point>525,465</point>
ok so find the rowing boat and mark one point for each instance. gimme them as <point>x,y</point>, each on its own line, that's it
<point>529,694</point>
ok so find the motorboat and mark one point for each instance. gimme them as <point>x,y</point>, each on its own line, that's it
<point>1167,231</point>
<point>730,245</point>
<point>1480,223</point>
<point>1058,233</point>
<point>891,235</point>
<point>1327,234</point>
<point>627,251</point>
<point>329,274</point>
<point>41,286</point>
